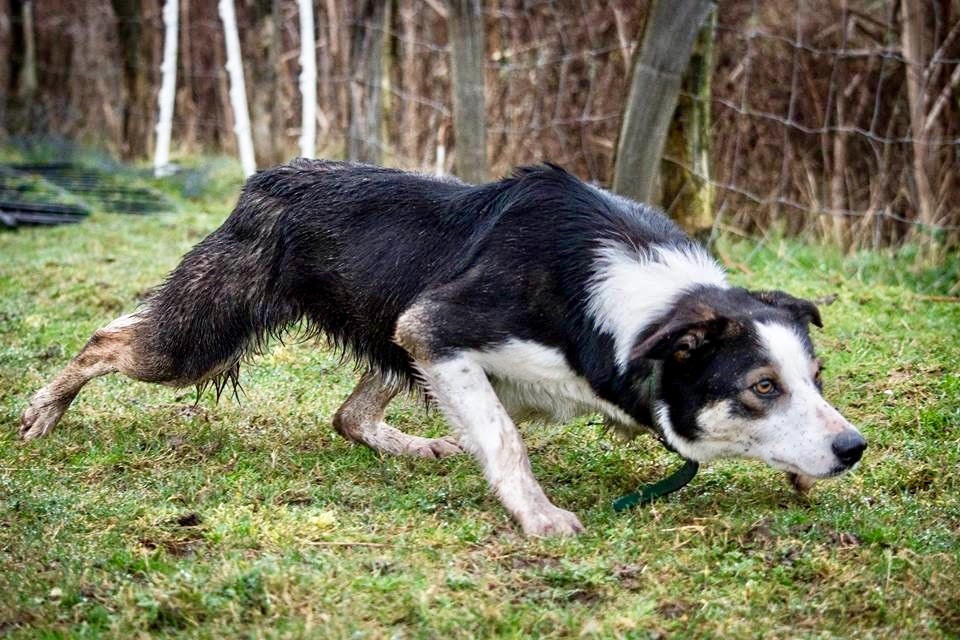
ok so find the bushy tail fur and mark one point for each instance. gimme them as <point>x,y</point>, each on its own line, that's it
<point>222,301</point>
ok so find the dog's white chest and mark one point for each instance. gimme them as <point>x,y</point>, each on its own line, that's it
<point>530,377</point>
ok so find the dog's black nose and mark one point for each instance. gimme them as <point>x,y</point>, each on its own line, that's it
<point>848,447</point>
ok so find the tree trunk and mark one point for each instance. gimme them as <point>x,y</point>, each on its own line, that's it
<point>238,91</point>
<point>408,80</point>
<point>686,188</point>
<point>6,66</point>
<point>22,105</point>
<point>337,60</point>
<point>262,51</point>
<point>366,72</point>
<point>137,107</point>
<point>186,103</point>
<point>912,36</point>
<point>308,81</point>
<point>168,87</point>
<point>662,54</point>
<point>467,59</point>
<point>277,83</point>
<point>27,82</point>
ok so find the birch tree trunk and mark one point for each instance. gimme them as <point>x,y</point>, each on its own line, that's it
<point>238,91</point>
<point>168,85</point>
<point>308,81</point>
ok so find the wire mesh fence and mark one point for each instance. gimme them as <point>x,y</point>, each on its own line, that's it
<point>837,117</point>
<point>826,119</point>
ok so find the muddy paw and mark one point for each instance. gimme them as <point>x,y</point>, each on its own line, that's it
<point>550,521</point>
<point>437,448</point>
<point>40,418</point>
<point>36,424</point>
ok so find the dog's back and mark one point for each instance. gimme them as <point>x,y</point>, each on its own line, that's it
<point>344,247</point>
<point>347,247</point>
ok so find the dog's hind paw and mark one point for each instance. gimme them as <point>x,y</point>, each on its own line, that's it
<point>550,521</point>
<point>39,419</point>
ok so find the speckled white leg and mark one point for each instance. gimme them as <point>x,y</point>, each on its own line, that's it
<point>106,352</point>
<point>464,393</point>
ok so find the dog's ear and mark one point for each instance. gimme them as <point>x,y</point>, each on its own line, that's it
<point>803,310</point>
<point>683,334</point>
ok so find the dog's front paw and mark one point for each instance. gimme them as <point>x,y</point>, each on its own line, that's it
<point>549,520</point>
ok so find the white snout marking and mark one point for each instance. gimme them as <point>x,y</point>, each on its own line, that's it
<point>798,434</point>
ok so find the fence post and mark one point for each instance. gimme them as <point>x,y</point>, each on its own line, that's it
<point>467,58</point>
<point>912,39</point>
<point>168,86</point>
<point>686,190</point>
<point>366,72</point>
<point>662,55</point>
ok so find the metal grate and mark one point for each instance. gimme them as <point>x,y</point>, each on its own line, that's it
<point>62,192</point>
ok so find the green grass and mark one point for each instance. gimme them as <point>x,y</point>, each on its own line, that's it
<point>144,514</point>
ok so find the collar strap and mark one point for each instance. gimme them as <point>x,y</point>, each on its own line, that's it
<point>649,390</point>
<point>648,493</point>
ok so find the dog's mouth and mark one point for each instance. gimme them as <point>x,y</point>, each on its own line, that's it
<point>837,470</point>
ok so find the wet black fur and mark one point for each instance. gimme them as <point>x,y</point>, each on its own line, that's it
<point>347,248</point>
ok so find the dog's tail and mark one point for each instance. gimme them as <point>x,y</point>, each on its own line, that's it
<point>224,300</point>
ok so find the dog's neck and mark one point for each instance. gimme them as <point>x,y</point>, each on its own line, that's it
<point>636,392</point>
<point>631,288</point>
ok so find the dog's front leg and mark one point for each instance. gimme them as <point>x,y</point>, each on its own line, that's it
<point>467,399</point>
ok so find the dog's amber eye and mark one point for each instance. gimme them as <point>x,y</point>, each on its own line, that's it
<point>817,377</point>
<point>765,387</point>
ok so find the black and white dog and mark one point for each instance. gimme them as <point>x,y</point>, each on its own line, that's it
<point>538,292</point>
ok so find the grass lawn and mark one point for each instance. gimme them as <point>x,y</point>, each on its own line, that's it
<point>145,514</point>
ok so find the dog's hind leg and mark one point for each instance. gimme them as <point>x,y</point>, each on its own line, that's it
<point>360,419</point>
<point>110,349</point>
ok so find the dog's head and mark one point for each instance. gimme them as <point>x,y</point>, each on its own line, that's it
<point>739,377</point>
